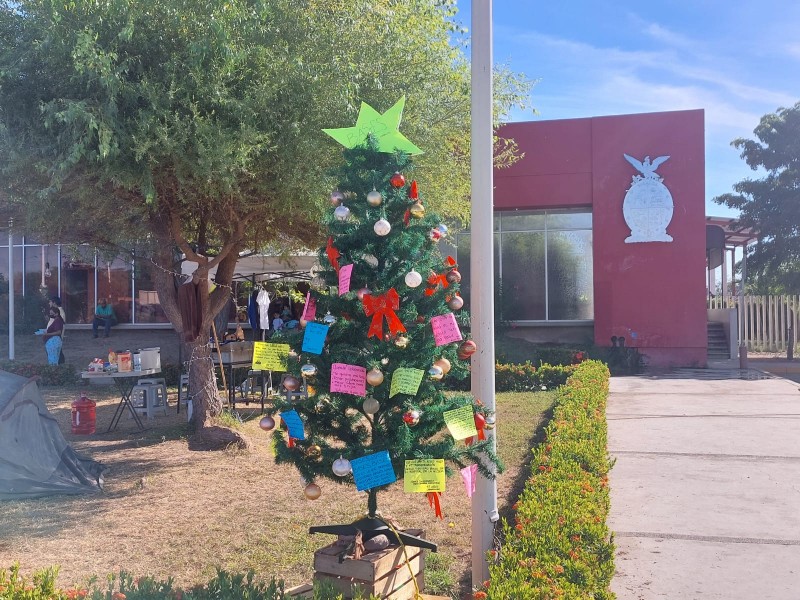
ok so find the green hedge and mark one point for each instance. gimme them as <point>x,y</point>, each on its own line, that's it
<point>560,545</point>
<point>225,586</point>
<point>522,377</point>
<point>56,375</point>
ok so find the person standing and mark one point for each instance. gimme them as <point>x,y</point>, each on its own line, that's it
<point>55,303</point>
<point>103,316</point>
<point>52,337</point>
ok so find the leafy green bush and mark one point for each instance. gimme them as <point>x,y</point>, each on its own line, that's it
<point>51,375</point>
<point>224,586</point>
<point>523,377</point>
<point>560,545</point>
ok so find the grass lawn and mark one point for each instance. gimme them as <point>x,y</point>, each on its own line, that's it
<point>168,511</point>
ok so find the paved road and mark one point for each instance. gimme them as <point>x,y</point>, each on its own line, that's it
<point>706,488</point>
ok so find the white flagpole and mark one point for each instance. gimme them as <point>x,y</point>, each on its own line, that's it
<point>484,501</point>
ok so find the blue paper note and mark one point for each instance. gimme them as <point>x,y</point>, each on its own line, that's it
<point>294,424</point>
<point>373,470</point>
<point>314,338</point>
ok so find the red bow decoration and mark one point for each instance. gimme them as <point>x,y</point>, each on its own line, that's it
<point>433,500</point>
<point>383,306</point>
<point>481,437</point>
<point>435,280</point>
<point>333,254</point>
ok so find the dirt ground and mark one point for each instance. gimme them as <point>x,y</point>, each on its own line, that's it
<point>170,511</point>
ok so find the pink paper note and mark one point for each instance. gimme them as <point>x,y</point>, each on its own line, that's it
<point>470,476</point>
<point>344,279</point>
<point>349,379</point>
<point>310,309</point>
<point>445,329</point>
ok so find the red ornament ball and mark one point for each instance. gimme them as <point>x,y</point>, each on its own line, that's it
<point>397,180</point>
<point>467,349</point>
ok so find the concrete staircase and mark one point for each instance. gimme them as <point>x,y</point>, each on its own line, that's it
<point>717,342</point>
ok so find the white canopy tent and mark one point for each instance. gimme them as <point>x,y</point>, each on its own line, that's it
<point>260,267</point>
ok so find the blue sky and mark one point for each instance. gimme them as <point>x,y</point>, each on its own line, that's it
<point>737,60</point>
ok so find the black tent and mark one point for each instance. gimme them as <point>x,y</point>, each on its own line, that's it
<point>35,459</point>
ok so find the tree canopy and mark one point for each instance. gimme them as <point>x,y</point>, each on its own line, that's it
<point>771,203</point>
<point>196,125</point>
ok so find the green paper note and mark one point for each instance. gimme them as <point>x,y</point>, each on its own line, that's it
<point>385,127</point>
<point>424,475</point>
<point>270,357</point>
<point>461,422</point>
<point>406,381</point>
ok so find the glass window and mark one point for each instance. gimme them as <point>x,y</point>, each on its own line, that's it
<point>522,221</point>
<point>543,265</point>
<point>569,275</point>
<point>114,284</point>
<point>147,306</point>
<point>463,256</point>
<point>77,283</point>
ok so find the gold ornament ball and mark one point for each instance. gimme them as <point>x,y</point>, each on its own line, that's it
<point>314,453</point>
<point>291,383</point>
<point>374,198</point>
<point>455,303</point>
<point>267,423</point>
<point>453,276</point>
<point>371,406</point>
<point>417,210</point>
<point>312,491</point>
<point>435,373</point>
<point>374,377</point>
<point>401,341</point>
<point>443,364</point>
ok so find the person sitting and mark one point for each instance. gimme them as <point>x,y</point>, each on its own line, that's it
<point>103,316</point>
<point>289,322</point>
<point>52,337</point>
<point>277,322</point>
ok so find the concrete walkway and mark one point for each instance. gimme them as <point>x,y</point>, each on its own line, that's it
<point>705,493</point>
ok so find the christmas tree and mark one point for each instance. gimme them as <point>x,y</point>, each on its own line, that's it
<point>364,400</point>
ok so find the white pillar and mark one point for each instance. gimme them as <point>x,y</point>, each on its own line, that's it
<point>484,501</point>
<point>11,289</point>
<point>724,286</point>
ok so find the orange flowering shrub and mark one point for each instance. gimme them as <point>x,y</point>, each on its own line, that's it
<point>559,544</point>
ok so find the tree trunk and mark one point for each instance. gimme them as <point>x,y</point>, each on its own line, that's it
<point>205,398</point>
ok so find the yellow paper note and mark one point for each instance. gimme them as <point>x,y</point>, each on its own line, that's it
<point>461,422</point>
<point>406,381</point>
<point>424,475</point>
<point>270,357</point>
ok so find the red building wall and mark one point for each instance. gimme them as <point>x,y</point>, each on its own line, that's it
<point>650,293</point>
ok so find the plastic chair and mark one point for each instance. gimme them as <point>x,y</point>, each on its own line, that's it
<point>149,398</point>
<point>183,392</point>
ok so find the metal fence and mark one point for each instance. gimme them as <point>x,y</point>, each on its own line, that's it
<point>765,322</point>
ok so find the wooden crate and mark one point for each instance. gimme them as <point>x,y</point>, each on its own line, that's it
<point>307,591</point>
<point>383,573</point>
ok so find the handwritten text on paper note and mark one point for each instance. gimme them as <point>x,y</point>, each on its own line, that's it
<point>310,309</point>
<point>294,424</point>
<point>314,338</point>
<point>445,329</point>
<point>424,475</point>
<point>373,470</point>
<point>406,381</point>
<point>349,379</point>
<point>270,357</point>
<point>345,273</point>
<point>461,422</point>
